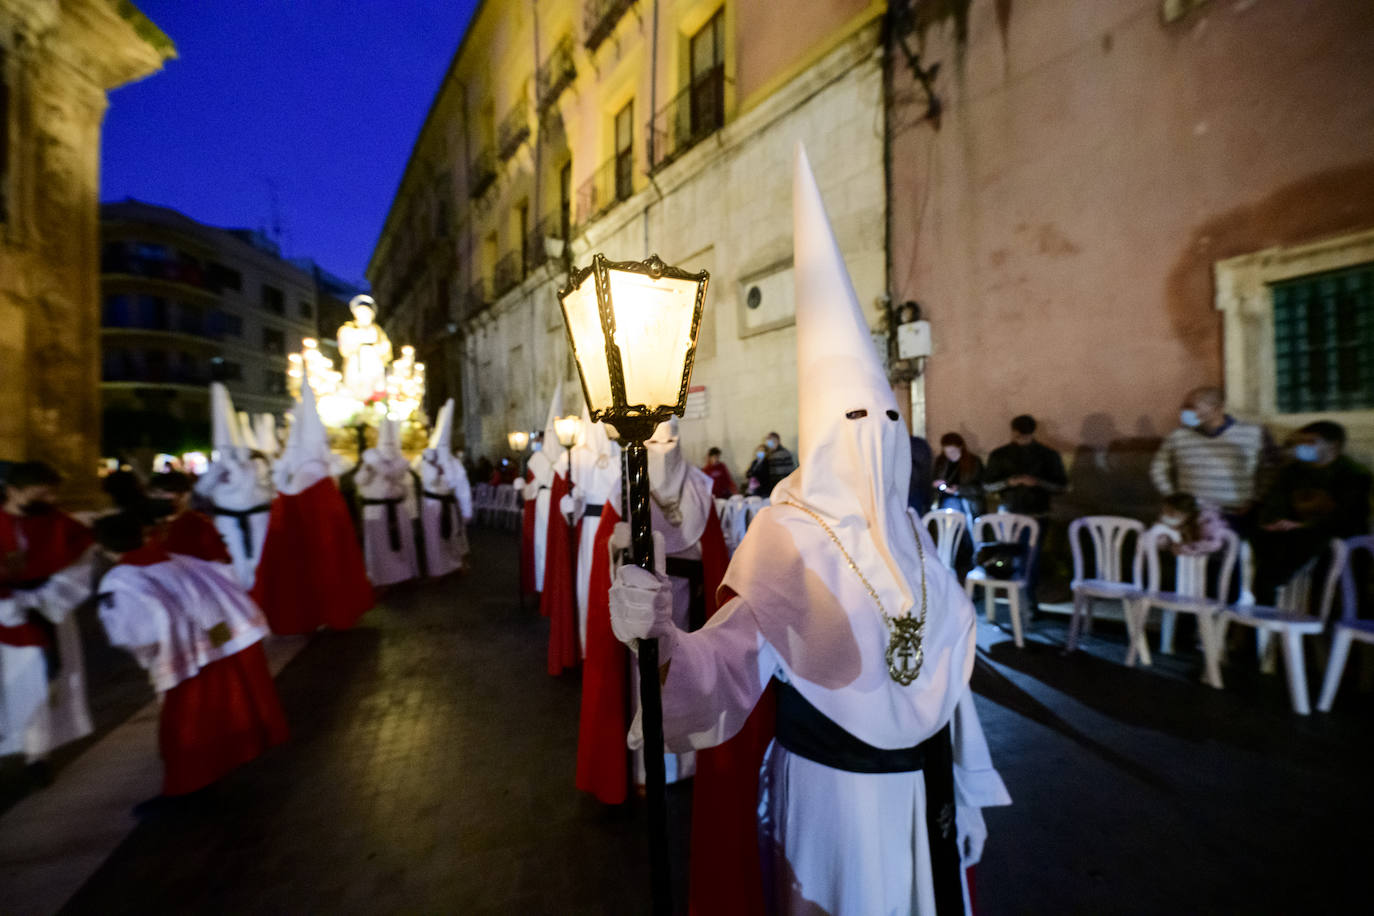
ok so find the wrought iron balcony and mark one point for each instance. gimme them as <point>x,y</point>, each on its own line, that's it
<point>556,74</point>
<point>482,175</point>
<point>599,18</point>
<point>612,182</point>
<point>510,270</point>
<point>547,240</point>
<point>476,299</point>
<point>690,117</point>
<point>515,129</point>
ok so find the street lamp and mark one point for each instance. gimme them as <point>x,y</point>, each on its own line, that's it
<point>567,429</point>
<point>632,327</point>
<point>518,441</point>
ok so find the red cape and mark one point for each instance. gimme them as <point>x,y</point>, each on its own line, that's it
<point>192,534</point>
<point>54,542</point>
<point>312,571</point>
<point>559,601</point>
<point>527,539</point>
<point>603,763</point>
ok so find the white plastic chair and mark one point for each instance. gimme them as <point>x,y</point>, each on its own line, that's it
<point>1349,628</point>
<point>1190,596</point>
<point>507,506</point>
<point>1108,534</point>
<point>752,505</point>
<point>1006,527</point>
<point>481,502</point>
<point>949,531</point>
<point>1291,619</point>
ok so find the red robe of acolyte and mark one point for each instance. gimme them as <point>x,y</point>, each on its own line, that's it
<point>558,602</point>
<point>603,760</point>
<point>312,572</point>
<point>51,543</point>
<point>527,537</point>
<point>225,715</point>
<point>193,534</point>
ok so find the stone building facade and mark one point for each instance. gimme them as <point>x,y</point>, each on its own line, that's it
<point>184,304</point>
<point>564,129</point>
<point>1124,199</point>
<point>57,62</point>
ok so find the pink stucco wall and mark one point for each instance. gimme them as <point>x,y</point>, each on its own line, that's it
<point>1092,164</point>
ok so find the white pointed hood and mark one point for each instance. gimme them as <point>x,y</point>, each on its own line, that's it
<point>854,454</point>
<point>306,458</point>
<point>680,494</point>
<point>265,435</point>
<point>595,461</point>
<point>442,437</point>
<point>389,438</point>
<point>224,421</point>
<point>544,463</point>
<point>246,431</point>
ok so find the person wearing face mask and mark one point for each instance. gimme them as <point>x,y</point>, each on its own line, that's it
<point>1213,456</point>
<point>1200,528</point>
<point>757,482</point>
<point>780,462</point>
<point>48,571</point>
<point>1321,494</point>
<point>829,692</point>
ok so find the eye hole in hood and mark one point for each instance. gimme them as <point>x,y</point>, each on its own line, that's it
<point>855,414</point>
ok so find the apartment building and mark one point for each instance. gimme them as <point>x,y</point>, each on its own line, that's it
<point>184,304</point>
<point>568,128</point>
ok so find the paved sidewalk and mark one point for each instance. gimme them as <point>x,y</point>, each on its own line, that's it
<point>430,771</point>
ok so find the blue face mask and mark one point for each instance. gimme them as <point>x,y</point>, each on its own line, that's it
<point>759,454</point>
<point>1189,418</point>
<point>1307,452</point>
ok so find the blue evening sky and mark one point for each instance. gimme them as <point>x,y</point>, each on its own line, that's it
<point>321,98</point>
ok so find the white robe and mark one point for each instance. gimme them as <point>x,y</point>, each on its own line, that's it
<point>37,716</point>
<point>595,478</point>
<point>239,485</point>
<point>544,473</point>
<point>443,555</point>
<point>835,841</point>
<point>387,477</point>
<point>163,615</point>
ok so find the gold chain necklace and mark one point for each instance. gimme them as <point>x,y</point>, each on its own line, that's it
<point>906,637</point>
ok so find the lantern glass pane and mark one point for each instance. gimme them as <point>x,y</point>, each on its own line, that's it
<point>583,316</point>
<point>653,329</point>
<point>567,428</point>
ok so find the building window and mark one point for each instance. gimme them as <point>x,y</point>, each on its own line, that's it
<point>156,363</point>
<point>153,313</point>
<point>115,365</point>
<point>1324,341</point>
<point>222,370</point>
<point>218,277</point>
<point>306,309</point>
<point>222,324</point>
<point>190,319</point>
<point>275,381</point>
<point>624,151</point>
<point>116,312</point>
<point>273,299</point>
<point>273,341</point>
<point>707,52</point>
<point>522,232</point>
<point>565,200</point>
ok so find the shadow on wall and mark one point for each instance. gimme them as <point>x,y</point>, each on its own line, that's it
<point>1109,473</point>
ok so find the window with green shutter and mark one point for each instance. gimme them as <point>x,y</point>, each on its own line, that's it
<point>1324,341</point>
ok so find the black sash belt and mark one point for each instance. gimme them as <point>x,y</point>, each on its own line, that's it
<point>393,522</point>
<point>593,509</point>
<point>694,573</point>
<point>245,529</point>
<point>807,732</point>
<point>448,502</point>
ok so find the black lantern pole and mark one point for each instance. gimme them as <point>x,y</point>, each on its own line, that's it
<point>592,335</point>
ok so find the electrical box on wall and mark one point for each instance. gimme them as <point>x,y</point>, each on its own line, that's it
<point>913,339</point>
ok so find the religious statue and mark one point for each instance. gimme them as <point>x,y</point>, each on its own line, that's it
<point>365,349</point>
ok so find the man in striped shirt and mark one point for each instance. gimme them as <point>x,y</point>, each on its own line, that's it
<point>1213,456</point>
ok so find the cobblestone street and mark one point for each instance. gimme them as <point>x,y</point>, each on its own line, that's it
<point>430,771</point>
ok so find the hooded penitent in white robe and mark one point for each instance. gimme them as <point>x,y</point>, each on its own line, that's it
<point>834,840</point>
<point>387,491</point>
<point>595,469</point>
<point>545,464</point>
<point>445,499</point>
<point>238,487</point>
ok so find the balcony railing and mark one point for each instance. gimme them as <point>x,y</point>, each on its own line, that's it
<point>556,74</point>
<point>546,241</point>
<point>612,182</point>
<point>177,271</point>
<point>483,174</point>
<point>476,299</point>
<point>599,18</point>
<point>690,117</point>
<point>510,270</point>
<point>515,129</point>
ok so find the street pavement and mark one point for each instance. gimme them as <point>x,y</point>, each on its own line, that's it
<point>431,761</point>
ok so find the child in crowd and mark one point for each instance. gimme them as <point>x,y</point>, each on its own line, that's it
<point>1200,527</point>
<point>199,635</point>
<point>185,531</point>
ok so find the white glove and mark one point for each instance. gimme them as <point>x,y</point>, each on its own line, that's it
<point>571,506</point>
<point>518,485</point>
<point>620,537</point>
<point>641,605</point>
<point>972,832</point>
